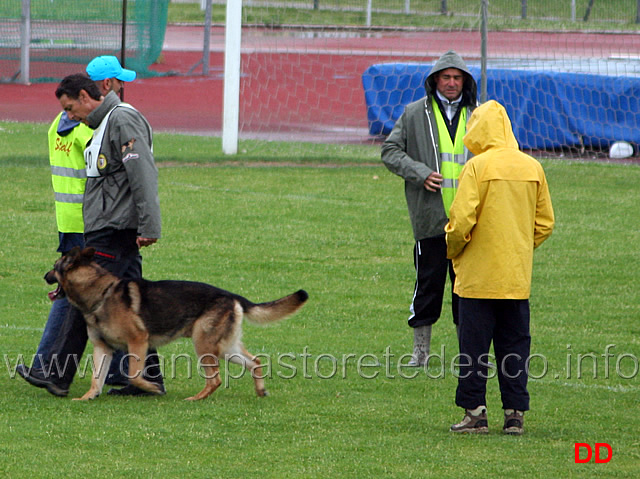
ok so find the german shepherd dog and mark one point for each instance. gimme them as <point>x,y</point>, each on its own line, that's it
<point>134,315</point>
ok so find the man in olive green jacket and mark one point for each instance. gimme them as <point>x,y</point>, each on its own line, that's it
<point>425,148</point>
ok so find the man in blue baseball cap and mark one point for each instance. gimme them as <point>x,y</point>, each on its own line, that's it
<point>67,163</point>
<point>108,74</point>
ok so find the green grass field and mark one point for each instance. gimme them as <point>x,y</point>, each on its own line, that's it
<point>333,221</point>
<point>504,14</point>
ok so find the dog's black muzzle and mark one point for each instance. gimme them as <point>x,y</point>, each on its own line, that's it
<point>57,293</point>
<point>50,277</point>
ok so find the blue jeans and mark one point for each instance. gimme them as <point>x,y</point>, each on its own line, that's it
<point>58,313</point>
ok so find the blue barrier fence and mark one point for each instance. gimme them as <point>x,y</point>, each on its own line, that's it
<point>547,109</point>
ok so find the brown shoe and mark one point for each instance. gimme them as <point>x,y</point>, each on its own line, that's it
<point>513,422</point>
<point>473,422</point>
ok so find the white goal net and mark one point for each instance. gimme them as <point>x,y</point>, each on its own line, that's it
<point>342,70</point>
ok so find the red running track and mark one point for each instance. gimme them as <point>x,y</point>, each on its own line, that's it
<point>295,85</point>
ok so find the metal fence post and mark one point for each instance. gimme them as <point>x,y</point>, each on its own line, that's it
<point>25,41</point>
<point>588,12</point>
<point>123,41</point>
<point>483,48</point>
<point>207,38</point>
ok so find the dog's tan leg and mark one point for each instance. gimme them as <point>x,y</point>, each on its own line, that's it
<point>212,377</point>
<point>102,355</point>
<point>137,352</point>
<point>239,355</point>
<point>208,359</point>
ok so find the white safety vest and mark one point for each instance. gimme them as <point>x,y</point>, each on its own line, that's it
<point>92,152</point>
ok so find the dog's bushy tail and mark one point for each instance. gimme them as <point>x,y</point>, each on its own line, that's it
<point>275,310</point>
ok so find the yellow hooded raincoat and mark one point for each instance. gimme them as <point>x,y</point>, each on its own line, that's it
<point>502,211</point>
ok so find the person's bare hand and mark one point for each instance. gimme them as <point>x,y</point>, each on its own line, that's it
<point>433,182</point>
<point>145,241</point>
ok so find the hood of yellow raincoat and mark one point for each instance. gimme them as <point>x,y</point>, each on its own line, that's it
<point>489,127</point>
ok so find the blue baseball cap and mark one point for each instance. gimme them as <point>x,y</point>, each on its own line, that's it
<point>108,66</point>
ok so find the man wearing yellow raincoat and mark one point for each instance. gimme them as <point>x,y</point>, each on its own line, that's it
<point>501,213</point>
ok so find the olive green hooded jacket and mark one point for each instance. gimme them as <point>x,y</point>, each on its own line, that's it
<point>411,150</point>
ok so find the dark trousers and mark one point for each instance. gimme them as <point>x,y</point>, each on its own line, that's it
<point>117,252</point>
<point>506,323</point>
<point>431,263</point>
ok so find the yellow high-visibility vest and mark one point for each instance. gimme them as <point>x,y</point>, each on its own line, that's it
<point>68,176</point>
<point>453,154</point>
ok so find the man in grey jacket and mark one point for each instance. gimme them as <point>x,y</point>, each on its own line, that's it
<point>121,210</point>
<point>425,148</point>
<point>69,180</point>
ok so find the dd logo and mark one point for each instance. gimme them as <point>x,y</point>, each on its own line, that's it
<point>597,447</point>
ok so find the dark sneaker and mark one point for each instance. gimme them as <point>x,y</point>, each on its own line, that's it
<point>116,381</point>
<point>22,370</point>
<point>474,422</point>
<point>131,390</point>
<point>37,377</point>
<point>513,422</point>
